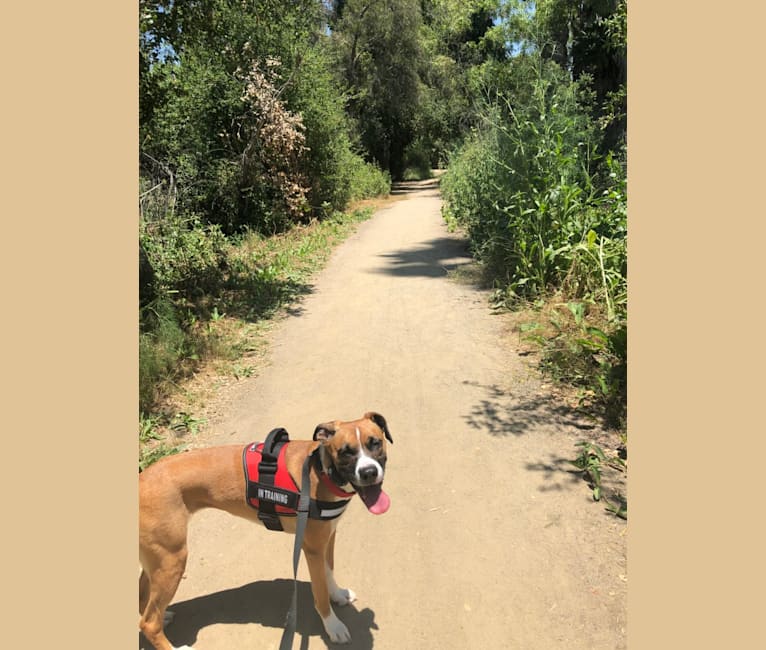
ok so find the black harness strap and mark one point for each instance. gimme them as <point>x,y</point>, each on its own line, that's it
<point>265,490</point>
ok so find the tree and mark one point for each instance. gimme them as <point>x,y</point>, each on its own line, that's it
<point>589,37</point>
<point>377,48</point>
<point>230,150</point>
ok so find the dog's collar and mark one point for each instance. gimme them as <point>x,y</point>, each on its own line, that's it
<point>328,479</point>
<point>333,487</point>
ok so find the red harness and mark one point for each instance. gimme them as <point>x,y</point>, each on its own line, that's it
<point>281,489</point>
<point>271,489</point>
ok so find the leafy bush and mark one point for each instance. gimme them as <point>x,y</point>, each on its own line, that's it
<point>188,258</point>
<point>546,214</point>
<point>241,114</point>
<point>527,193</point>
<point>417,162</point>
<point>583,349</point>
<point>162,345</point>
<point>365,179</point>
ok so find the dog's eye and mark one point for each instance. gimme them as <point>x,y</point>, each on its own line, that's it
<point>373,444</point>
<point>347,451</point>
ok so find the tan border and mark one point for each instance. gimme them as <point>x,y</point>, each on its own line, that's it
<point>70,338</point>
<point>69,324</point>
<point>696,239</point>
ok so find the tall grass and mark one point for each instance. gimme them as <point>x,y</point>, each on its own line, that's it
<point>546,216</point>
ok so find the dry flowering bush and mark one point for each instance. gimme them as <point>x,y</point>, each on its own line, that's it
<point>275,140</point>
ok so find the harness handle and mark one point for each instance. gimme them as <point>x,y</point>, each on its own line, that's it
<point>300,528</point>
<point>275,437</point>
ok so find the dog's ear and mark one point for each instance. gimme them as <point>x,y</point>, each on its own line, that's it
<point>378,419</point>
<point>324,431</point>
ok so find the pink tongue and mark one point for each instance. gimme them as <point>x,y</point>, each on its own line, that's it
<point>375,499</point>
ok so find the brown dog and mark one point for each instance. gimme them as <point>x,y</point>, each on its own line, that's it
<point>351,454</point>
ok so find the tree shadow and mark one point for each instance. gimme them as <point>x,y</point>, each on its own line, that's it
<point>410,187</point>
<point>265,603</point>
<point>431,259</point>
<point>253,298</point>
<point>559,473</point>
<point>502,414</point>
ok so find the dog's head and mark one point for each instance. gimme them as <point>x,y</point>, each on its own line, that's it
<point>355,452</point>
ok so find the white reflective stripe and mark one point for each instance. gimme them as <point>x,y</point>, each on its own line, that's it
<point>332,512</point>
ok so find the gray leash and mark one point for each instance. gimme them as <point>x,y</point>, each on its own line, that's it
<point>300,529</point>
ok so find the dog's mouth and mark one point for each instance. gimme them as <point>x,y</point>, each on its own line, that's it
<point>374,498</point>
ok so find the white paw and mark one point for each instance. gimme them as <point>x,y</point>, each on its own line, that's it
<point>342,596</point>
<point>336,630</point>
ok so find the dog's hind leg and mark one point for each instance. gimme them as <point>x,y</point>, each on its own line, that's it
<point>165,573</point>
<point>143,591</point>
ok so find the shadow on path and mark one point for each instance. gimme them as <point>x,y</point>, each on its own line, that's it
<point>432,259</point>
<point>409,187</point>
<point>558,474</point>
<point>265,603</point>
<point>502,414</point>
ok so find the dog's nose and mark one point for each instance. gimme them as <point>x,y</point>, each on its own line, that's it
<point>368,473</point>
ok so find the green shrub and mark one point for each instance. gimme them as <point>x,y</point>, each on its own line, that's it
<point>162,345</point>
<point>417,162</point>
<point>188,258</point>
<point>365,179</point>
<point>546,215</point>
<point>530,193</point>
<point>587,351</point>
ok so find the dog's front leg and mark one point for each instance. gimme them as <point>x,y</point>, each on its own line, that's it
<point>335,628</point>
<point>338,595</point>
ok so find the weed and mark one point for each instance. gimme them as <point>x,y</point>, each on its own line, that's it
<point>581,348</point>
<point>547,218</point>
<point>149,455</point>
<point>620,508</point>
<point>185,422</point>
<point>239,371</point>
<point>147,429</point>
<point>590,461</point>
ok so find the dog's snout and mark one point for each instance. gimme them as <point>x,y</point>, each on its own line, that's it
<point>368,473</point>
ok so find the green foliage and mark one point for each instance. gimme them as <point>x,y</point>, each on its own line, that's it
<point>591,461</point>
<point>378,52</point>
<point>242,121</point>
<point>545,209</point>
<point>458,38</point>
<point>417,162</point>
<point>147,428</point>
<point>188,257</point>
<point>364,179</point>
<point>151,454</point>
<point>186,423</point>
<point>162,346</point>
<point>252,278</point>
<point>581,354</point>
<point>527,190</point>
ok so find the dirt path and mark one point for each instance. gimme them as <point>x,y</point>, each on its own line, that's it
<point>489,543</point>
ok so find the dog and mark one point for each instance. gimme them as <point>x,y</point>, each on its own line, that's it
<point>344,455</point>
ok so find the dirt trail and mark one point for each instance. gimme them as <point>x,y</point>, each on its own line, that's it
<point>490,541</point>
